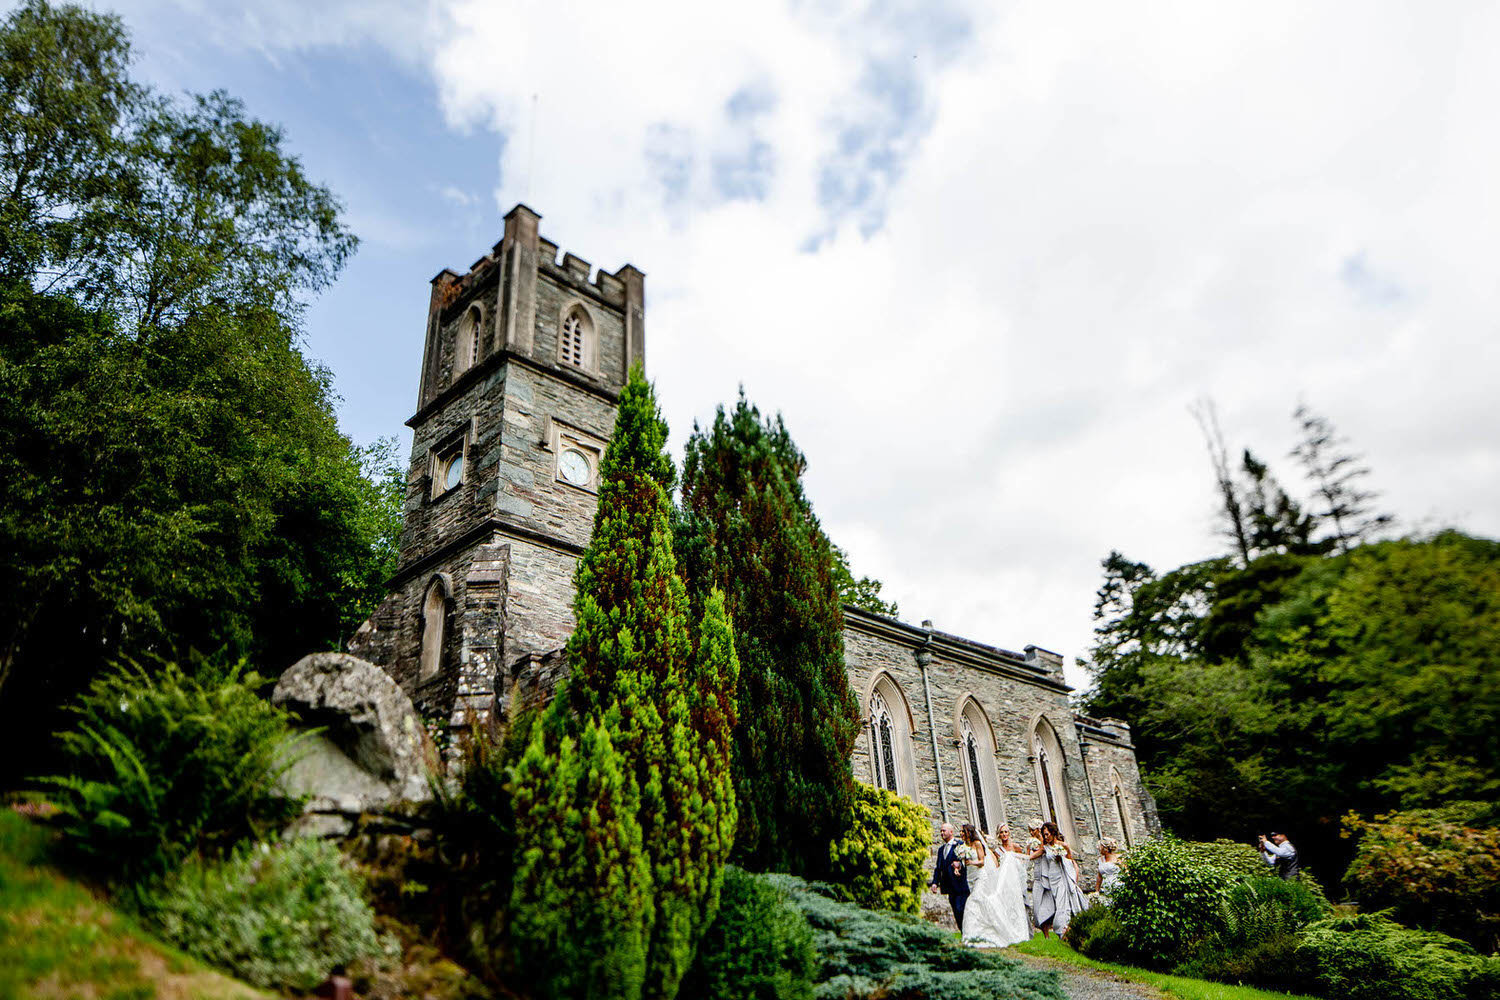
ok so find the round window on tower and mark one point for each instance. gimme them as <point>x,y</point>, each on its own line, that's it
<point>453,474</point>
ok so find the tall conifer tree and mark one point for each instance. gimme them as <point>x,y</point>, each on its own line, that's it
<point>660,707</point>
<point>746,528</point>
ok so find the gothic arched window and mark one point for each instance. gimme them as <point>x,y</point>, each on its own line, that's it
<point>883,735</point>
<point>575,339</point>
<point>466,347</point>
<point>1052,778</point>
<point>981,778</point>
<point>1118,795</point>
<point>434,623</point>
<point>976,787</point>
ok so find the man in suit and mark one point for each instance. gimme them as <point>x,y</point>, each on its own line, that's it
<point>953,884</point>
<point>1280,855</point>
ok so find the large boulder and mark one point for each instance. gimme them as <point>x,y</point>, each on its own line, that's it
<point>372,751</point>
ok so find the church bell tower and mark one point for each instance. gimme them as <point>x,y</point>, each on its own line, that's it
<point>524,361</point>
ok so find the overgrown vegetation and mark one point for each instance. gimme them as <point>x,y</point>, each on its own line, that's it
<point>156,255</point>
<point>1177,909</point>
<point>58,939</point>
<point>746,528</point>
<point>162,763</point>
<point>871,955</point>
<point>1437,868</point>
<point>758,948</point>
<point>279,916</point>
<point>624,807</point>
<point>881,859</point>
<point>1312,670</point>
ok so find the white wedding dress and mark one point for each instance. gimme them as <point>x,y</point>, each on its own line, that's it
<point>995,916</point>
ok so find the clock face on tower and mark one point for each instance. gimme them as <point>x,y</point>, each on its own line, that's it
<point>574,466</point>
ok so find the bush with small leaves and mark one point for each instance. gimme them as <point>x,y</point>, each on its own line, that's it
<point>879,955</point>
<point>880,861</point>
<point>280,916</point>
<point>1434,868</point>
<point>1166,903</point>
<point>758,948</point>
<point>1098,933</point>
<point>1371,957</point>
<point>1238,860</point>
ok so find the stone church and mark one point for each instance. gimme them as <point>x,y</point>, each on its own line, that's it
<point>525,356</point>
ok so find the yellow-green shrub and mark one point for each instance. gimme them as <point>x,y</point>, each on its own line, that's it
<point>881,859</point>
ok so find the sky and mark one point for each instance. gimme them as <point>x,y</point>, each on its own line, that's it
<point>982,257</point>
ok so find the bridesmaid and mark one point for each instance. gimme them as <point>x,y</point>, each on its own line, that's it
<point>1109,866</point>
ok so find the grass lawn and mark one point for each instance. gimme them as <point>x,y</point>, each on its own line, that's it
<point>59,940</point>
<point>1177,986</point>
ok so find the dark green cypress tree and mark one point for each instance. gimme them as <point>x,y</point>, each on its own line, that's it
<point>637,678</point>
<point>746,528</point>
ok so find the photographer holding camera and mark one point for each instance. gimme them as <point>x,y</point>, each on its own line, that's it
<point>1280,855</point>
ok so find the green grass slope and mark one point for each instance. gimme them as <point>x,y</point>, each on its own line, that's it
<point>58,940</point>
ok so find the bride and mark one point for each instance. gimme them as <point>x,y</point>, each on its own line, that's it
<point>995,916</point>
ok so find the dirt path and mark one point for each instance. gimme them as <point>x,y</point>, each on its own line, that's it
<point>1092,984</point>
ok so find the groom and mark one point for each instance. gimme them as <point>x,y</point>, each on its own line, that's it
<point>954,885</point>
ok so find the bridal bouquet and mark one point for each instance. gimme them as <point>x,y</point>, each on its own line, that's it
<point>966,854</point>
<point>1056,850</point>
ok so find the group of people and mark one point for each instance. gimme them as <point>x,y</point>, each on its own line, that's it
<point>986,882</point>
<point>996,905</point>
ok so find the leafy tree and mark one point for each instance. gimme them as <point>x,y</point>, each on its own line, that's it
<point>654,707</point>
<point>175,476</point>
<point>746,528</point>
<point>66,97</point>
<point>1336,474</point>
<point>1312,686</point>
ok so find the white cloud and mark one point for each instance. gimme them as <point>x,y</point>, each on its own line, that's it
<point>1037,232</point>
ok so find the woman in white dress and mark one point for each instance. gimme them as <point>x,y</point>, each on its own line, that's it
<point>984,924</point>
<point>1007,888</point>
<point>1055,896</point>
<point>1109,867</point>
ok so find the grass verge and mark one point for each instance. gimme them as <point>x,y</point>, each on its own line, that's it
<point>59,940</point>
<point>1177,986</point>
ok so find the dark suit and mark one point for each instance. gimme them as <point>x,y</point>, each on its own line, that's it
<point>954,886</point>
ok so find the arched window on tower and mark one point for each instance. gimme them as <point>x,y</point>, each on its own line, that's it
<point>466,348</point>
<point>576,344</point>
<point>434,624</point>
<point>1052,778</point>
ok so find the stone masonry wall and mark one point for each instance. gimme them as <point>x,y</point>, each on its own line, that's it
<point>1013,691</point>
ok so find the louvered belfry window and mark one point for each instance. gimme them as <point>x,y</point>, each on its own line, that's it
<point>572,341</point>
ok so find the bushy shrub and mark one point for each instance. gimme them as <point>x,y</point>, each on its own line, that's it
<point>1166,902</point>
<point>1098,933</point>
<point>1434,868</point>
<point>1276,962</point>
<point>162,763</point>
<point>876,955</point>
<point>758,948</point>
<point>1237,860</point>
<point>1370,957</point>
<point>881,859</point>
<point>280,916</point>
